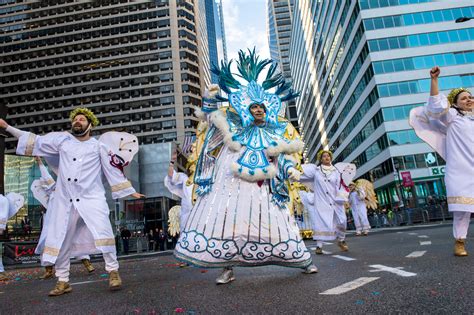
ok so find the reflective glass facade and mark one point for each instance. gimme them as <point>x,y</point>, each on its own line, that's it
<point>358,90</point>
<point>279,30</point>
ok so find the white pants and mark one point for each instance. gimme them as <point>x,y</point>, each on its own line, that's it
<point>461,222</point>
<point>360,219</point>
<point>340,223</point>
<point>63,263</point>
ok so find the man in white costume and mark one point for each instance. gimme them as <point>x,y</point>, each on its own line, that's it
<point>240,217</point>
<point>81,222</point>
<point>178,184</point>
<point>43,191</point>
<point>9,206</point>
<point>357,197</point>
<point>447,124</point>
<point>328,216</point>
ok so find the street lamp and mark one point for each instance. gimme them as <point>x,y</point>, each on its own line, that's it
<point>463,19</point>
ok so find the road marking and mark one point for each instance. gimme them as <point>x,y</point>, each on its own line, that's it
<point>423,236</point>
<point>412,233</point>
<point>327,243</point>
<point>396,270</point>
<point>416,254</point>
<point>425,243</point>
<point>343,257</point>
<point>84,282</point>
<point>346,287</point>
<point>326,252</point>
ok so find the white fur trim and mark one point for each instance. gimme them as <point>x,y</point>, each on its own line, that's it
<point>220,121</point>
<point>283,147</point>
<point>199,113</point>
<point>259,174</point>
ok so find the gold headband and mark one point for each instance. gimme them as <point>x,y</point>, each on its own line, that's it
<point>455,92</point>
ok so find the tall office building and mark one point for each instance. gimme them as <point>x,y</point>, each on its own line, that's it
<point>279,31</point>
<point>215,35</point>
<point>139,65</point>
<point>361,66</point>
<point>136,64</point>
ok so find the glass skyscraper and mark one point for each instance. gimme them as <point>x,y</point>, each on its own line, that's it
<point>361,67</point>
<point>279,31</point>
<point>215,34</point>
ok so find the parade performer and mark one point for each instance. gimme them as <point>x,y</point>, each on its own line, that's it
<point>447,125</point>
<point>326,207</point>
<point>43,191</point>
<point>9,206</point>
<point>80,224</point>
<point>361,197</point>
<point>178,183</point>
<point>240,217</point>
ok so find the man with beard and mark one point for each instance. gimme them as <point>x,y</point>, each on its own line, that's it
<point>80,222</point>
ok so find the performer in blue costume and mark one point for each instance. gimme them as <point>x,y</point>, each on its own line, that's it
<point>240,217</point>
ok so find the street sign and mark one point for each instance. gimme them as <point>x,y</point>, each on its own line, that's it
<point>430,159</point>
<point>437,170</point>
<point>406,179</point>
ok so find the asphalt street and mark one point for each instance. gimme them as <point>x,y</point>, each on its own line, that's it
<point>396,271</point>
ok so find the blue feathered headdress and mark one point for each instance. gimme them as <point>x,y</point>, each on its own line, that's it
<point>241,97</point>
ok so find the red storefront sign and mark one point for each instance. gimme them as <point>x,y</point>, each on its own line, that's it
<point>406,179</point>
<point>20,253</point>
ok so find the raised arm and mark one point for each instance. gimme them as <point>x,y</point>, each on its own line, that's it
<point>437,107</point>
<point>32,145</point>
<point>434,74</point>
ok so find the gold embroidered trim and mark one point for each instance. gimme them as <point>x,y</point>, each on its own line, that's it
<point>121,186</point>
<point>51,251</point>
<point>461,200</point>
<point>436,115</point>
<point>324,233</point>
<point>30,144</point>
<point>105,242</point>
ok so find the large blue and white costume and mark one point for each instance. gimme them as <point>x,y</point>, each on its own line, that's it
<point>240,217</point>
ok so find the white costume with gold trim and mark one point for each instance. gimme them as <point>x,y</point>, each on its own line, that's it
<point>452,136</point>
<point>328,217</point>
<point>9,206</point>
<point>359,210</point>
<point>177,185</point>
<point>79,188</point>
<point>43,191</point>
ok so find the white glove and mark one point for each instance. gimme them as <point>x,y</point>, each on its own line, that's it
<point>294,174</point>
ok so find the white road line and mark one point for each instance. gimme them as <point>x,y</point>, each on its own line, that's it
<point>346,287</point>
<point>327,243</point>
<point>412,233</point>
<point>84,282</point>
<point>326,252</point>
<point>425,243</point>
<point>312,248</point>
<point>423,236</point>
<point>396,270</point>
<point>343,257</point>
<point>416,254</point>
